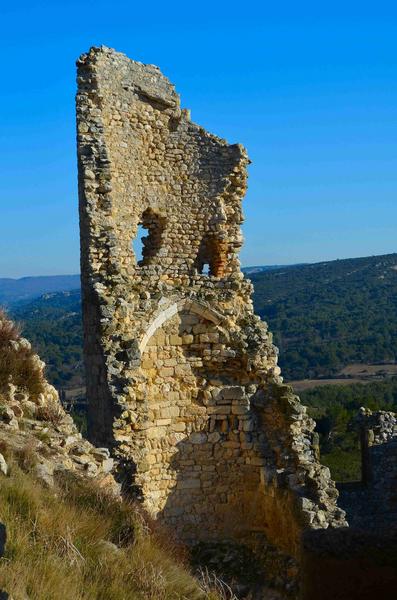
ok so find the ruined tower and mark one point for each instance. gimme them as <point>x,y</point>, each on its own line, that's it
<point>182,377</point>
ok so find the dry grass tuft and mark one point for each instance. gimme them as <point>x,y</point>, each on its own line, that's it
<point>211,583</point>
<point>5,449</point>
<point>79,541</point>
<point>51,412</point>
<point>18,365</point>
<point>9,331</point>
<point>26,456</point>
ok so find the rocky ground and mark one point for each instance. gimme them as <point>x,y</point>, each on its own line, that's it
<point>32,420</point>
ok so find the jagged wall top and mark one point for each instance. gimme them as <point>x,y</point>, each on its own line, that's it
<point>134,76</point>
<point>142,161</point>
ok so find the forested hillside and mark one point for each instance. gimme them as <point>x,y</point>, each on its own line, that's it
<point>327,315</point>
<point>53,325</point>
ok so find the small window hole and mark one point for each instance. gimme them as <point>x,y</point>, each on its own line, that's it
<point>211,257</point>
<point>137,243</point>
<point>148,239</point>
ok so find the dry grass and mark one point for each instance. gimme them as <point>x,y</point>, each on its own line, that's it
<point>211,583</point>
<point>51,412</point>
<point>8,329</point>
<point>60,544</point>
<point>19,365</point>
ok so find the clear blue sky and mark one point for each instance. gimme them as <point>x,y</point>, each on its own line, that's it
<point>310,91</point>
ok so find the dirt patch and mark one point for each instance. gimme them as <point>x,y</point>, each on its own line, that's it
<point>307,384</point>
<point>367,370</point>
<point>355,373</point>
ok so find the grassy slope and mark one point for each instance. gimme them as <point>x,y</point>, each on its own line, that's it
<point>58,546</point>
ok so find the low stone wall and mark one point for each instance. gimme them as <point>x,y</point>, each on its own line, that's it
<point>373,502</point>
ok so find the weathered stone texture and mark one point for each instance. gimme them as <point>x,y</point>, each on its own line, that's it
<point>182,377</point>
<point>372,502</point>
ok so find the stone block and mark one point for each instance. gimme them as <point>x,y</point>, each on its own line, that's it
<point>198,438</point>
<point>166,372</point>
<point>189,484</point>
<point>179,426</point>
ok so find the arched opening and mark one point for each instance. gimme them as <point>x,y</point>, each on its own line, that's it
<point>183,306</point>
<point>211,257</point>
<point>146,247</point>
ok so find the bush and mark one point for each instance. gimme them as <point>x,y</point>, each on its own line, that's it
<point>18,363</point>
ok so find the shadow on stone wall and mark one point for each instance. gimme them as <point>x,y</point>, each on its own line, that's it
<point>212,497</point>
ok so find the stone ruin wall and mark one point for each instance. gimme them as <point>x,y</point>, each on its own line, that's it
<point>379,466</point>
<point>372,503</point>
<point>182,377</point>
<point>359,562</point>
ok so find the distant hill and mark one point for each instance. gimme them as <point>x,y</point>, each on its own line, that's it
<point>260,269</point>
<point>327,315</point>
<point>27,288</point>
<point>324,316</point>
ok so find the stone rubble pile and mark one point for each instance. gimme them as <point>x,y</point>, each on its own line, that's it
<point>35,420</point>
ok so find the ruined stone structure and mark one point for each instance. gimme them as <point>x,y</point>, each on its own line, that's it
<point>359,562</point>
<point>31,416</point>
<point>182,377</point>
<point>372,502</point>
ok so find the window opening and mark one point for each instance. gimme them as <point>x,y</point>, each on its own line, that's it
<point>211,257</point>
<point>137,243</point>
<point>148,239</point>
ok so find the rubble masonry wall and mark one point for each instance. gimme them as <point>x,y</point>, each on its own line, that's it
<point>182,377</point>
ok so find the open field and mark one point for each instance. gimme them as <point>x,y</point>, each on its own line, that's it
<point>355,373</point>
<point>307,384</point>
<point>370,371</point>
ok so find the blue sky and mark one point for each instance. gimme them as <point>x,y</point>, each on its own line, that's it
<point>311,91</point>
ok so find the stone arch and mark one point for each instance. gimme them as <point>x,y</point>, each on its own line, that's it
<point>165,314</point>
